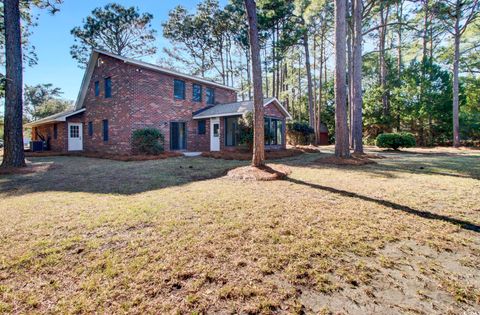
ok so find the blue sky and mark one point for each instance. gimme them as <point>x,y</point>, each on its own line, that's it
<point>52,39</point>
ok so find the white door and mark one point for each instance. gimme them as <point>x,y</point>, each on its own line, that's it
<point>214,134</point>
<point>75,132</point>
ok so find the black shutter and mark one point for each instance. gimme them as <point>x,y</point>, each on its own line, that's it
<point>202,127</point>
<point>105,130</point>
<point>90,129</point>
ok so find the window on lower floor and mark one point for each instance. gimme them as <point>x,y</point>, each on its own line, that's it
<point>202,127</point>
<point>105,130</point>
<point>90,129</point>
<point>55,131</point>
<point>232,132</point>
<point>273,131</point>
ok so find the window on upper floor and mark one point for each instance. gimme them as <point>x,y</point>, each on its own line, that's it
<point>196,93</point>
<point>108,87</point>
<point>97,88</point>
<point>179,89</point>
<point>210,96</point>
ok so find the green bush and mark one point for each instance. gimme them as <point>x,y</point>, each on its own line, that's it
<point>395,140</point>
<point>300,133</point>
<point>148,141</point>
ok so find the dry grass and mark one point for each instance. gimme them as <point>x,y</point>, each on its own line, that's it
<point>175,236</point>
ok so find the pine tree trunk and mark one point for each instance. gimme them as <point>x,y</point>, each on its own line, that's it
<point>258,158</point>
<point>350,84</point>
<point>341,128</point>
<point>383,64</point>
<point>13,150</point>
<point>357,127</point>
<point>311,111</point>
<point>456,60</point>
<point>320,89</point>
<point>249,74</point>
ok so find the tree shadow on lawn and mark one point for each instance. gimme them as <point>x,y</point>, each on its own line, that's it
<point>80,174</point>
<point>459,166</point>
<point>421,213</point>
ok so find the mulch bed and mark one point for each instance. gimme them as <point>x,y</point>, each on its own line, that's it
<point>116,157</point>
<point>246,155</point>
<point>306,148</point>
<point>265,173</point>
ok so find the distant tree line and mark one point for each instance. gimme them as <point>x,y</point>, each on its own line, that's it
<point>419,60</point>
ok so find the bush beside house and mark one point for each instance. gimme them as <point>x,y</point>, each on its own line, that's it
<point>148,141</point>
<point>396,140</point>
<point>300,133</point>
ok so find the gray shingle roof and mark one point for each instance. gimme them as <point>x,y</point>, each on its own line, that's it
<point>229,109</point>
<point>55,117</point>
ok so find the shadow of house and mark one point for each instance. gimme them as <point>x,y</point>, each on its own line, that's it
<point>392,205</point>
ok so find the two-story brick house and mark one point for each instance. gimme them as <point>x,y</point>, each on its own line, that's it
<point>119,95</point>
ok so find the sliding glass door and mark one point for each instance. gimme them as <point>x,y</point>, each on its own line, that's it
<point>178,136</point>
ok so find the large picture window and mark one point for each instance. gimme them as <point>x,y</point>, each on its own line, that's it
<point>232,133</point>
<point>273,131</point>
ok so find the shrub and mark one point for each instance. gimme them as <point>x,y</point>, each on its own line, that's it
<point>300,133</point>
<point>395,140</point>
<point>148,141</point>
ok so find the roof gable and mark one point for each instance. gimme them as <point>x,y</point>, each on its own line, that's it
<point>93,61</point>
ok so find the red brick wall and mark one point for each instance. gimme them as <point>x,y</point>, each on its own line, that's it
<point>46,131</point>
<point>271,110</point>
<point>142,98</point>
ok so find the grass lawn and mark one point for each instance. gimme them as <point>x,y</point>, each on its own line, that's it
<point>86,235</point>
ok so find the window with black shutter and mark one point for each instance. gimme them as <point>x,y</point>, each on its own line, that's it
<point>179,89</point>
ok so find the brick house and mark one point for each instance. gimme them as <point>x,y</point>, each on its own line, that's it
<point>119,95</point>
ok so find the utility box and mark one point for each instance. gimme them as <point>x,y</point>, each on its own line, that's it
<point>36,146</point>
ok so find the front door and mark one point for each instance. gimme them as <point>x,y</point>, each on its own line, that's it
<point>178,136</point>
<point>75,132</point>
<point>214,134</point>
